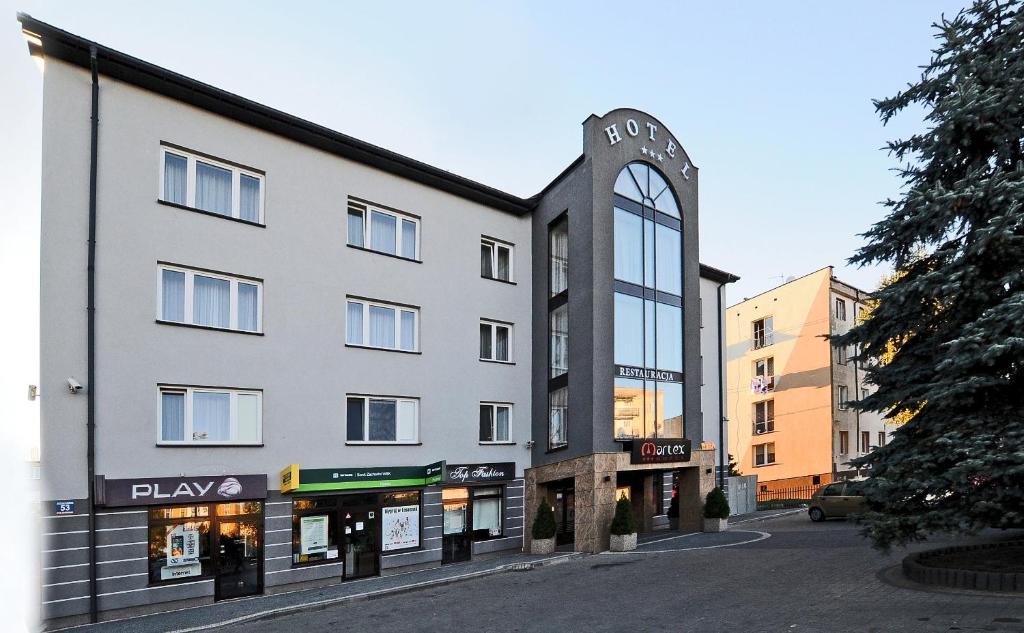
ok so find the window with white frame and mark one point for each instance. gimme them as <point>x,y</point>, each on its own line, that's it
<point>764,375</point>
<point>201,415</point>
<point>206,184</point>
<point>383,230</point>
<point>208,299</point>
<point>373,419</point>
<point>763,332</point>
<point>494,422</point>
<point>764,417</point>
<point>495,259</point>
<point>381,325</point>
<point>496,341</point>
<point>881,438</point>
<point>844,397</point>
<point>764,454</point>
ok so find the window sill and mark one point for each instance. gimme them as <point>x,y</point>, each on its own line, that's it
<point>208,327</point>
<point>482,443</point>
<point>503,281</point>
<point>383,349</point>
<point>370,250</point>
<point>209,444</point>
<point>210,213</point>
<point>766,465</point>
<point>348,443</point>
<point>555,449</point>
<point>497,362</point>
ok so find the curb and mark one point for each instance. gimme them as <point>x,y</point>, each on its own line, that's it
<point>368,595</point>
<point>915,569</point>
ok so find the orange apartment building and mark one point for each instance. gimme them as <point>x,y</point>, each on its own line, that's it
<point>789,388</point>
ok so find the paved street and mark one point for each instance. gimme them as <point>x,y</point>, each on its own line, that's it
<point>803,577</point>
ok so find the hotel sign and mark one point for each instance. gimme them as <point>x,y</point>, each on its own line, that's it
<point>642,373</point>
<point>659,451</point>
<point>156,490</point>
<point>295,479</point>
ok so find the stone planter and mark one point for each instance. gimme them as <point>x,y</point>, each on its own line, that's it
<point>542,546</point>
<point>716,525</point>
<point>623,542</point>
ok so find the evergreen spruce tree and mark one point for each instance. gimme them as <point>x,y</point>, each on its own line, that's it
<point>544,523</point>
<point>623,522</point>
<point>953,316</point>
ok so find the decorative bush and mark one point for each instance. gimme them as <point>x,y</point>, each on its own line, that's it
<point>544,522</point>
<point>715,505</point>
<point>623,522</point>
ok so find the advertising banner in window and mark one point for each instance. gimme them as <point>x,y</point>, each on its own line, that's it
<point>658,451</point>
<point>480,473</point>
<point>629,371</point>
<point>400,527</point>
<point>182,553</point>
<point>313,535</point>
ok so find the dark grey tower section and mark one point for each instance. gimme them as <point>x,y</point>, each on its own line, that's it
<point>585,190</point>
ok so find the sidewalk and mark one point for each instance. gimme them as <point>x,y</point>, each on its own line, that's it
<point>224,614</point>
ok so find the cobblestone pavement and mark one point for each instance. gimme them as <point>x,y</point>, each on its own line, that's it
<point>803,577</point>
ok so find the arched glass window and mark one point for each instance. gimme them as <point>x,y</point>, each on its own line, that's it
<point>648,304</point>
<point>640,183</point>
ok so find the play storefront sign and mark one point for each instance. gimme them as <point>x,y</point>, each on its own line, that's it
<point>173,490</point>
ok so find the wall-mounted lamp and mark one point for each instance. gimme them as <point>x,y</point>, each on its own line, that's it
<point>607,477</point>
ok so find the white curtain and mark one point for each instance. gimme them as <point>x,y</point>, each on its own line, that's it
<point>249,198</point>
<point>559,247</point>
<point>173,296</point>
<point>486,267</point>
<point>559,341</point>
<point>211,416</point>
<point>213,188</point>
<point>501,425</point>
<point>487,515</point>
<point>355,228</point>
<point>408,330</point>
<point>172,417</point>
<point>175,178</point>
<point>382,327</point>
<point>383,232</point>
<point>248,300</point>
<point>354,330</point>
<point>211,301</point>
<point>408,239</point>
<point>558,405</point>
<point>501,343</point>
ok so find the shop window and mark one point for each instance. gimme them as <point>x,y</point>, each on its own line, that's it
<point>315,535</point>
<point>179,543</point>
<point>400,521</point>
<point>487,521</point>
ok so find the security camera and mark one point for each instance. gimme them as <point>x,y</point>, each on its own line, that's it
<point>74,386</point>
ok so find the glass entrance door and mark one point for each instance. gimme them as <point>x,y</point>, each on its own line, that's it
<point>361,542</point>
<point>565,515</point>
<point>456,541</point>
<point>239,550</point>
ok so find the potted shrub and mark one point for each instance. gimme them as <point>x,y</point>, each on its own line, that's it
<point>623,527</point>
<point>543,530</point>
<point>716,512</point>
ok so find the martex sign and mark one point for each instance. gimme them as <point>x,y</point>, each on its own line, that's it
<point>658,451</point>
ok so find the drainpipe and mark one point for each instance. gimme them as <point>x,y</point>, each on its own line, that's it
<point>91,344</point>
<point>721,393</point>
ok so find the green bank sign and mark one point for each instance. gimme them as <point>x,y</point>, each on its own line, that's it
<point>295,479</point>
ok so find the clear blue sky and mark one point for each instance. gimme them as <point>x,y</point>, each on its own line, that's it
<point>772,101</point>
